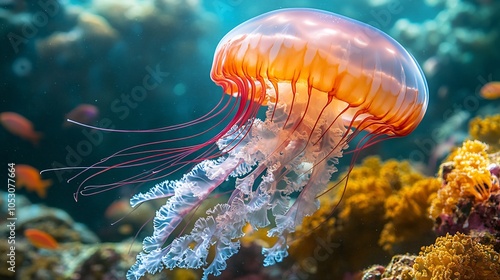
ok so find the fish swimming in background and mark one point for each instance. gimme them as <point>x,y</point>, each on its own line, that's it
<point>41,239</point>
<point>490,90</point>
<point>29,177</point>
<point>83,113</point>
<point>20,126</point>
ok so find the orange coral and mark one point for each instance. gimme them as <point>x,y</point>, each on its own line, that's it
<point>457,257</point>
<point>469,178</point>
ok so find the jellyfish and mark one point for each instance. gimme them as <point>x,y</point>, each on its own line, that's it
<point>323,78</point>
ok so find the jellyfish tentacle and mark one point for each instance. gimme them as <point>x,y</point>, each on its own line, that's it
<point>185,196</point>
<point>316,174</point>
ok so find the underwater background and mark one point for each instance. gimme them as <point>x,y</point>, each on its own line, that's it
<point>87,61</point>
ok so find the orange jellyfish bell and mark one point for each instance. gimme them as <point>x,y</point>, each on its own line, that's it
<point>324,78</point>
<point>306,54</point>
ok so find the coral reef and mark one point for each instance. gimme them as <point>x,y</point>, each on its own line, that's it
<point>400,268</point>
<point>79,255</point>
<point>55,222</point>
<point>486,130</point>
<point>469,197</point>
<point>457,256</point>
<point>79,261</point>
<point>102,261</point>
<point>10,258</point>
<point>379,198</point>
<point>406,214</point>
<point>469,177</point>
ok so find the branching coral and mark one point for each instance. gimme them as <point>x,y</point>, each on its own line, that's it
<point>486,130</point>
<point>379,198</point>
<point>457,257</point>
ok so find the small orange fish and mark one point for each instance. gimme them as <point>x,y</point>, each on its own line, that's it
<point>29,177</point>
<point>490,90</point>
<point>83,113</point>
<point>41,239</point>
<point>20,126</point>
<point>118,209</point>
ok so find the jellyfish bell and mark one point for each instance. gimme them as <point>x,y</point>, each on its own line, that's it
<point>323,78</point>
<point>341,59</point>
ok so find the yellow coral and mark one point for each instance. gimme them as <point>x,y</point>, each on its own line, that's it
<point>486,130</point>
<point>335,238</point>
<point>468,178</point>
<point>457,257</point>
<point>372,183</point>
<point>407,214</point>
